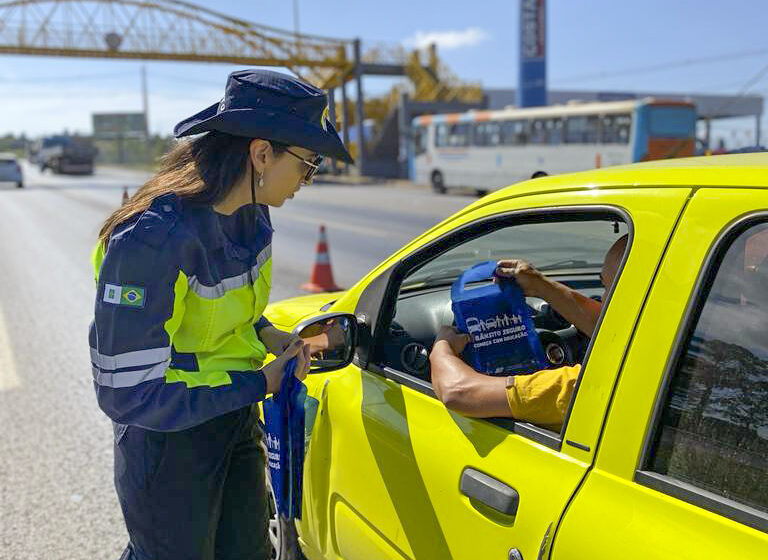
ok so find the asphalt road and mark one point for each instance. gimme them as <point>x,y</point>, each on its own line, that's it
<point>56,494</point>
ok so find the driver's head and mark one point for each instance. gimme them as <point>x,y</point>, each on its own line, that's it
<point>612,261</point>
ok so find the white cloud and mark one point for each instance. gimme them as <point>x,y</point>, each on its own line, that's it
<point>447,40</point>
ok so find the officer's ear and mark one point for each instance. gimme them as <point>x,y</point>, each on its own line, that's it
<point>261,154</point>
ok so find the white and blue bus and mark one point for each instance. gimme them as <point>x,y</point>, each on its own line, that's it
<point>487,150</point>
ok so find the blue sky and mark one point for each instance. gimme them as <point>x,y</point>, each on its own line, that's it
<point>592,44</point>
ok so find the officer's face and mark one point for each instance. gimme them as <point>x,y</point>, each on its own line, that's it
<point>284,175</point>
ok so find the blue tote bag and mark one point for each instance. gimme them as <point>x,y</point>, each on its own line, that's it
<point>504,339</point>
<point>284,431</point>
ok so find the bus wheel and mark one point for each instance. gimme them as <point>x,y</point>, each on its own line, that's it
<point>437,182</point>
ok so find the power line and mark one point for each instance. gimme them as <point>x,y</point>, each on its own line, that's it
<point>744,89</point>
<point>665,66</point>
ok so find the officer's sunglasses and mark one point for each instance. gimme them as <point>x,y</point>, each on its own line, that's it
<point>312,165</point>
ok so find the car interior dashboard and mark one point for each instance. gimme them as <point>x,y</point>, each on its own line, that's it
<point>420,313</point>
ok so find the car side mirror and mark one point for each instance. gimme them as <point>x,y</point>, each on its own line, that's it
<point>332,338</point>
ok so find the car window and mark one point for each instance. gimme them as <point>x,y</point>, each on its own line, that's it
<point>713,429</point>
<point>570,250</point>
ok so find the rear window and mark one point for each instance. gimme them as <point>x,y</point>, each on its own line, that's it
<point>713,432</point>
<point>672,122</point>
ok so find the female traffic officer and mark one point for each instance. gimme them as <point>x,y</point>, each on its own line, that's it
<point>183,274</point>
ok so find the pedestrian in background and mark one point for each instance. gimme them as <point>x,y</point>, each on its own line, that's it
<point>183,272</point>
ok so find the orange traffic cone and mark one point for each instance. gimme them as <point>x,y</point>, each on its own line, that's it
<point>125,195</point>
<point>322,276</point>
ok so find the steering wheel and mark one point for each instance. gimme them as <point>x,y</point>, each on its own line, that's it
<point>563,347</point>
<point>562,342</point>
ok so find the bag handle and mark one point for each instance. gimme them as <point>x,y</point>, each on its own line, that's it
<point>481,271</point>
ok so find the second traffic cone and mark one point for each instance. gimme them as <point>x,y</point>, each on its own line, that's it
<point>125,195</point>
<point>321,279</point>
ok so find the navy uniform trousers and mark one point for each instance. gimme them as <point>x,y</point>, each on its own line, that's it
<point>195,494</point>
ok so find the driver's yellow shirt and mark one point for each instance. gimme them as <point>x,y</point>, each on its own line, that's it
<point>542,397</point>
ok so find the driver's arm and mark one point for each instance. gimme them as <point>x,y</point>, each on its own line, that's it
<point>541,397</point>
<point>576,308</point>
<point>460,387</point>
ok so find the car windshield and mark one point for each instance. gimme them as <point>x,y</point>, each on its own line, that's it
<point>553,248</point>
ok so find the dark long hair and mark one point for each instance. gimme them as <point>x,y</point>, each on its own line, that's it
<point>203,170</point>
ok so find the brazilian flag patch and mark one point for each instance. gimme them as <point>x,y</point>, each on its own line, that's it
<point>128,296</point>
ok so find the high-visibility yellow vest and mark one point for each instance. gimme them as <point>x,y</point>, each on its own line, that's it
<point>179,300</point>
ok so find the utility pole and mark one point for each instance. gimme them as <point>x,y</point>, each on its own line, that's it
<point>145,99</point>
<point>296,26</point>
<point>361,155</point>
<point>296,18</point>
<point>145,109</point>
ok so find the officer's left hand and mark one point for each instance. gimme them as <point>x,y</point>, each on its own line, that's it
<point>275,340</point>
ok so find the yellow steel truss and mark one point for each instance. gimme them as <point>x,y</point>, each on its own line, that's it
<point>177,30</point>
<point>161,30</point>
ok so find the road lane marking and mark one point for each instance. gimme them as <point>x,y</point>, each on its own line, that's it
<point>338,225</point>
<point>8,377</point>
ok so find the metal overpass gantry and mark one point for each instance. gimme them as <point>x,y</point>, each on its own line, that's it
<point>177,30</point>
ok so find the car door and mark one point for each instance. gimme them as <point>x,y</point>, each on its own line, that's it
<point>681,471</point>
<point>386,459</point>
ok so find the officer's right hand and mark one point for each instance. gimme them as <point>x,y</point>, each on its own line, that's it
<point>524,273</point>
<point>275,369</point>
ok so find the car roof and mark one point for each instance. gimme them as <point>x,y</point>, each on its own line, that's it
<point>731,171</point>
<point>7,155</point>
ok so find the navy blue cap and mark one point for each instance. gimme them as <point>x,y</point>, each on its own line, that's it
<point>273,106</point>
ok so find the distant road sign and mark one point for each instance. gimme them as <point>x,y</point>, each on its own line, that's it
<point>111,126</point>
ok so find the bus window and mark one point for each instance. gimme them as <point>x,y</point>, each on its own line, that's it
<point>615,129</point>
<point>487,134</point>
<point>581,130</point>
<point>538,132</point>
<point>452,135</point>
<point>420,135</point>
<point>554,131</point>
<point>671,122</point>
<point>546,131</point>
<point>441,135</point>
<point>514,133</point>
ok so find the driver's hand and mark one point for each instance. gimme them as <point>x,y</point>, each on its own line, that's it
<point>456,340</point>
<point>524,273</point>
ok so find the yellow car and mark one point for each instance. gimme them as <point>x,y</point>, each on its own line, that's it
<point>664,451</point>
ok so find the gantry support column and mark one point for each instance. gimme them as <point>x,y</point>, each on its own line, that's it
<point>361,155</point>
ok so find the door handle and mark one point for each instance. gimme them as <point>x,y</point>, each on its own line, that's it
<point>489,491</point>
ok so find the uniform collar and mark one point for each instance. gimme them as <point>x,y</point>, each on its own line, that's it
<point>239,234</point>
